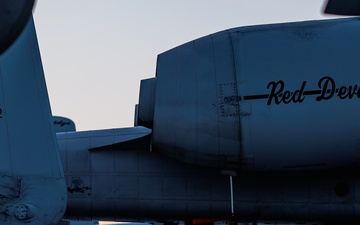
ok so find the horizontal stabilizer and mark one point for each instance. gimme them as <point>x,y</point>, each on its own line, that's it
<point>132,138</point>
<point>141,143</point>
<point>135,138</point>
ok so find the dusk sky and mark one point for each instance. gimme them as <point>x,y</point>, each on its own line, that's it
<point>95,53</point>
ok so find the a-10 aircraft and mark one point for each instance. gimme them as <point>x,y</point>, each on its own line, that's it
<point>252,124</point>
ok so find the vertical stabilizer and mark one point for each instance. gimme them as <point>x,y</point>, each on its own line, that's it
<point>32,185</point>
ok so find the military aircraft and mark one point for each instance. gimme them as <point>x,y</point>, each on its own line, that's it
<point>251,124</point>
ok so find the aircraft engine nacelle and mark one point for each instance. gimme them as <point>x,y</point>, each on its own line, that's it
<point>270,97</point>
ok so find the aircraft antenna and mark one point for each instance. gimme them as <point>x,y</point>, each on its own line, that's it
<point>231,174</point>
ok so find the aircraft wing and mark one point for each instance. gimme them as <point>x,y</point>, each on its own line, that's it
<point>132,138</point>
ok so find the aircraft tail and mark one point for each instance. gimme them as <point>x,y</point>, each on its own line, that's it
<point>63,124</point>
<point>32,184</point>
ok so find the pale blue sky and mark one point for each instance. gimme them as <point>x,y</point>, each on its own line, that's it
<point>96,52</point>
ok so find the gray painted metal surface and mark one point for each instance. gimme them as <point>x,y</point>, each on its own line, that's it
<point>32,184</point>
<point>275,107</point>
<point>14,15</point>
<point>145,115</point>
<point>265,98</point>
<point>122,184</point>
<point>340,7</point>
